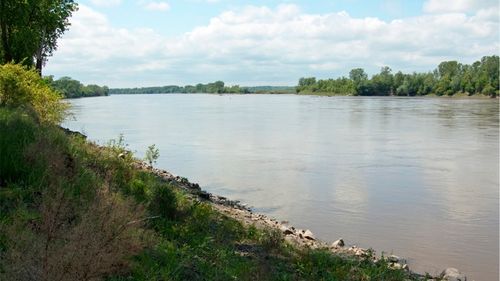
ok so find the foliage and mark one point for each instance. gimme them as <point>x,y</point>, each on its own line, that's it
<point>71,88</point>
<point>29,29</point>
<point>21,87</point>
<point>449,78</point>
<point>210,88</point>
<point>216,87</point>
<point>152,154</point>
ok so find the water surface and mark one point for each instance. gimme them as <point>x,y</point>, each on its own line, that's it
<point>415,176</point>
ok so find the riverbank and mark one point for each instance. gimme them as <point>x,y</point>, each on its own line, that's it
<point>455,96</point>
<point>302,239</point>
<point>305,165</point>
<point>71,208</point>
<point>320,94</point>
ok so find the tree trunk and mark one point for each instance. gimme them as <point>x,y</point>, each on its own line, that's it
<point>39,59</point>
<point>7,54</point>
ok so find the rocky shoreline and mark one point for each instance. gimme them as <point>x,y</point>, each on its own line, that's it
<point>298,237</point>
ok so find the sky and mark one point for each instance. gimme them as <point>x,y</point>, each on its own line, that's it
<point>138,43</point>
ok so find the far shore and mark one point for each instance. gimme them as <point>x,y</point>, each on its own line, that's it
<point>320,94</point>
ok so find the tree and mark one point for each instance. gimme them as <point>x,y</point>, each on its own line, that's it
<point>70,88</point>
<point>219,87</point>
<point>29,29</point>
<point>448,68</point>
<point>53,22</point>
<point>360,79</point>
<point>382,82</point>
<point>152,154</point>
<point>358,75</point>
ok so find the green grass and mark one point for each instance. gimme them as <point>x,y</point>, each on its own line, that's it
<point>70,209</point>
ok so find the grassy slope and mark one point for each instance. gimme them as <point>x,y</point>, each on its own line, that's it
<point>70,210</point>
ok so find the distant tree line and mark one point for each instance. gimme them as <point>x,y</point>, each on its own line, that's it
<point>217,87</point>
<point>71,88</point>
<point>449,78</point>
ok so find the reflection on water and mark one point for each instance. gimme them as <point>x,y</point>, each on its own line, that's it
<point>417,177</point>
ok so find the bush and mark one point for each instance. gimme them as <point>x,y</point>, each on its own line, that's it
<point>21,87</point>
<point>64,243</point>
<point>163,202</point>
<point>17,131</point>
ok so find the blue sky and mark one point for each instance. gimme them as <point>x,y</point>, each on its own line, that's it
<point>184,15</point>
<point>128,43</point>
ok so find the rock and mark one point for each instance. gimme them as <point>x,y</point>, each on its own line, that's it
<point>406,267</point>
<point>396,266</point>
<point>360,252</point>
<point>308,235</point>
<point>204,195</point>
<point>338,244</point>
<point>393,258</point>
<point>452,274</point>
<point>290,239</point>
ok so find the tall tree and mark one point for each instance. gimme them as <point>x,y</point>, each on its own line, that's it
<point>29,29</point>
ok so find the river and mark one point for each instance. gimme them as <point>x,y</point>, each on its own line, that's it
<point>417,177</point>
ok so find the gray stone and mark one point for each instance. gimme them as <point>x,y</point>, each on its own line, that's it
<point>286,230</point>
<point>309,235</point>
<point>393,258</point>
<point>396,266</point>
<point>338,244</point>
<point>452,274</point>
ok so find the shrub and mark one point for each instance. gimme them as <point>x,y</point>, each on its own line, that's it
<point>64,243</point>
<point>152,154</point>
<point>21,87</point>
<point>17,131</point>
<point>163,202</point>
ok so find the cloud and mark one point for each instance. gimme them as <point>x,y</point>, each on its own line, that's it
<point>261,45</point>
<point>157,6</point>
<point>106,3</point>
<point>458,6</point>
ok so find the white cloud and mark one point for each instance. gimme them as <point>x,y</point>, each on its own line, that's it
<point>106,3</point>
<point>458,6</point>
<point>260,45</point>
<point>157,6</point>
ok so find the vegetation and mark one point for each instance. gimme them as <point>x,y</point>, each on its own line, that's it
<point>271,90</point>
<point>216,87</point>
<point>21,87</point>
<point>152,154</point>
<point>29,29</point>
<point>70,210</point>
<point>71,88</point>
<point>449,78</point>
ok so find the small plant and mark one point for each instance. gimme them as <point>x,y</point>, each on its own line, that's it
<point>118,145</point>
<point>152,154</point>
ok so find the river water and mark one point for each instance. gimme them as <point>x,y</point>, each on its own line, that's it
<point>417,177</point>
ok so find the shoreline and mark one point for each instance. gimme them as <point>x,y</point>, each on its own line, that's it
<point>301,238</point>
<point>430,96</point>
